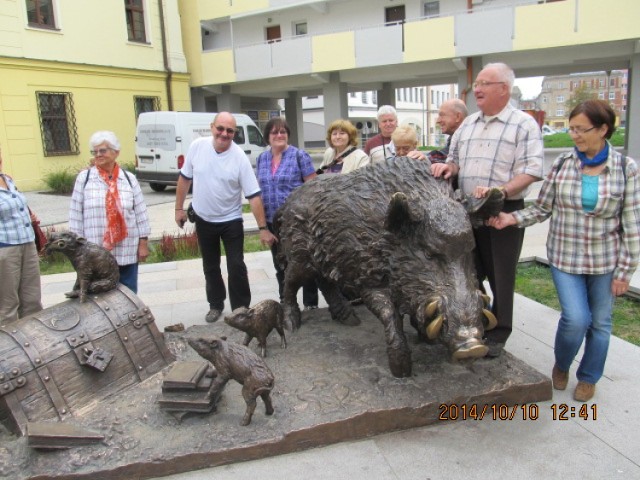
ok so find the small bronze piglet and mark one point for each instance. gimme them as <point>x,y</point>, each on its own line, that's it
<point>258,322</point>
<point>237,362</point>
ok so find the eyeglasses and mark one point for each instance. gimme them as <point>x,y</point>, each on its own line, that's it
<point>484,83</point>
<point>278,132</point>
<point>579,130</point>
<point>230,131</point>
<point>100,151</point>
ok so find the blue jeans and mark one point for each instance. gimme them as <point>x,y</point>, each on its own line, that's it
<point>129,276</point>
<point>586,302</point>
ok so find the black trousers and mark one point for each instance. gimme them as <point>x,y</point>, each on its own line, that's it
<point>496,257</point>
<point>309,289</point>
<point>232,236</point>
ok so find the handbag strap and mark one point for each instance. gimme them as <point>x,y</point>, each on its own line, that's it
<point>344,154</point>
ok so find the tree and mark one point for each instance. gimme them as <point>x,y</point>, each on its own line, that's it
<point>579,95</point>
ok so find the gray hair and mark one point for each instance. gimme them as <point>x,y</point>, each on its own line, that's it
<point>456,105</point>
<point>104,136</point>
<point>504,72</point>
<point>387,110</point>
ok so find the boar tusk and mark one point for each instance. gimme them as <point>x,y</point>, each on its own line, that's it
<point>491,318</point>
<point>433,329</point>
<point>486,299</point>
<point>431,309</point>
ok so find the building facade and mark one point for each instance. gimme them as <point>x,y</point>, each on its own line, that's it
<point>244,52</point>
<point>68,70</point>
<point>557,90</point>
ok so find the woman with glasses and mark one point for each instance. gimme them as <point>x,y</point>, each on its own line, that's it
<point>592,197</point>
<point>107,208</point>
<point>20,291</point>
<point>280,170</point>
<point>342,156</point>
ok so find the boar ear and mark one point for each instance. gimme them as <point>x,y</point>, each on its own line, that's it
<point>399,218</point>
<point>480,209</point>
<point>223,338</point>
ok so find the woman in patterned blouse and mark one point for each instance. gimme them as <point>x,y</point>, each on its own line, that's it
<point>592,197</point>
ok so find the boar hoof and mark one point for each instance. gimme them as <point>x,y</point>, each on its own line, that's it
<point>351,319</point>
<point>72,294</point>
<point>475,351</point>
<point>399,363</point>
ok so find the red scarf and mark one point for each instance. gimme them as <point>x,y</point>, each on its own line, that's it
<point>116,226</point>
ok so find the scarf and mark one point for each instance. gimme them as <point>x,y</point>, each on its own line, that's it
<point>116,230</point>
<point>598,159</point>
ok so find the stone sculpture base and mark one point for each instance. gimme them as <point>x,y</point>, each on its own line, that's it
<point>332,384</point>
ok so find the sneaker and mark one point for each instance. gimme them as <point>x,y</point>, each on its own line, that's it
<point>559,378</point>
<point>309,307</point>
<point>213,315</point>
<point>495,348</point>
<point>584,391</point>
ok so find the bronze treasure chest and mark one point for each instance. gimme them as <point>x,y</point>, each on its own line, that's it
<point>65,357</point>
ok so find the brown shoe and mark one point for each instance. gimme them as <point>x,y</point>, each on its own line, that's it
<point>559,378</point>
<point>584,391</point>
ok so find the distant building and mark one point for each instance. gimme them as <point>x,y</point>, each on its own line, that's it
<point>558,89</point>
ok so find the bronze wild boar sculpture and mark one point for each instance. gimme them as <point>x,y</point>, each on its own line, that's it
<point>235,361</point>
<point>97,270</point>
<point>393,235</point>
<point>258,321</point>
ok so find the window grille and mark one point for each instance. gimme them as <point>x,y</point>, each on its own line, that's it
<point>146,104</point>
<point>57,124</point>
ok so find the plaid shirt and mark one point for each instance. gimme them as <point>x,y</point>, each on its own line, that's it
<point>88,218</point>
<point>604,240</point>
<point>289,176</point>
<point>492,152</point>
<point>15,222</point>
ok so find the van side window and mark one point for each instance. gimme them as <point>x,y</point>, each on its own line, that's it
<point>255,137</point>
<point>239,137</point>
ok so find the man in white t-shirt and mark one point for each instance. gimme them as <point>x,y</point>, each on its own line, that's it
<point>221,172</point>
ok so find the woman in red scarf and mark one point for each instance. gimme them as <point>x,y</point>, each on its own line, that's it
<point>107,208</point>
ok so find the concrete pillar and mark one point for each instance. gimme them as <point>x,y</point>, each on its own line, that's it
<point>293,112</point>
<point>197,100</point>
<point>387,95</point>
<point>335,100</point>
<point>632,138</point>
<point>465,81</point>
<point>227,101</point>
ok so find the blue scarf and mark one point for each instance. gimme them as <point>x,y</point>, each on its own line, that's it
<point>598,159</point>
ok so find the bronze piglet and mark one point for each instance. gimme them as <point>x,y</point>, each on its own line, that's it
<point>258,322</point>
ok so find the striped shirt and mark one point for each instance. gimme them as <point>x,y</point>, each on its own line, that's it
<point>15,222</point>
<point>601,241</point>
<point>88,218</point>
<point>490,152</point>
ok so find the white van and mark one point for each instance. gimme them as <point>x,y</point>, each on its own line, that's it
<point>163,139</point>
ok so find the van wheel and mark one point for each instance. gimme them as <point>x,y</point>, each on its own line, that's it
<point>156,187</point>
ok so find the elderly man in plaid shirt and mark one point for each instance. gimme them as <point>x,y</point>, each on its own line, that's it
<point>502,147</point>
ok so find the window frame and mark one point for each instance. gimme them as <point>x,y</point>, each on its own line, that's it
<point>157,104</point>
<point>37,7</point>
<point>130,9</point>
<point>54,145</point>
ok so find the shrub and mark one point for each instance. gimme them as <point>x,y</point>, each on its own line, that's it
<point>61,181</point>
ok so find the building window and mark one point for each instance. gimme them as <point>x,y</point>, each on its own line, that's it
<point>602,82</point>
<point>560,85</point>
<point>134,11</point>
<point>353,94</point>
<point>544,99</point>
<point>601,95</point>
<point>560,112</point>
<point>624,96</point>
<point>364,97</point>
<point>40,13</point>
<point>146,104</point>
<point>374,96</point>
<point>431,9</point>
<point>560,98</point>
<point>624,108</point>
<point>612,95</point>
<point>300,28</point>
<point>57,124</point>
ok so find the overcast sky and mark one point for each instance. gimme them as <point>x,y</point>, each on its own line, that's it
<point>530,86</point>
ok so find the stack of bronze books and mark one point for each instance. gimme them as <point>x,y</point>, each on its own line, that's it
<point>185,388</point>
<point>52,436</point>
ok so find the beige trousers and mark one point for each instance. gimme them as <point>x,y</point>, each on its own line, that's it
<point>20,293</point>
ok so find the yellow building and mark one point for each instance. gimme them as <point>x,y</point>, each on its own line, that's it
<point>68,70</point>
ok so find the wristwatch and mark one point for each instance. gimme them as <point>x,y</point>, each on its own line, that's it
<point>264,227</point>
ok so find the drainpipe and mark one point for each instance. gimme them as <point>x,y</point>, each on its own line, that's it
<point>165,57</point>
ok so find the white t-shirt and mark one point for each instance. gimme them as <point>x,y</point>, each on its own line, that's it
<point>219,179</point>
